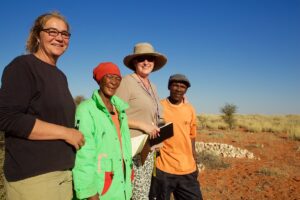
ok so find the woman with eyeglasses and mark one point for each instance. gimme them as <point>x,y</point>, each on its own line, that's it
<point>103,166</point>
<point>37,115</point>
<point>144,113</point>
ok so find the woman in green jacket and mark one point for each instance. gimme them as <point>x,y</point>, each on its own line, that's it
<point>103,166</point>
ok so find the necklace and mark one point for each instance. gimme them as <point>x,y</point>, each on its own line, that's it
<point>112,112</point>
<point>153,96</point>
<point>144,86</point>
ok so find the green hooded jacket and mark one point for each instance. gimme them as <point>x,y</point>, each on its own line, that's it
<point>99,164</point>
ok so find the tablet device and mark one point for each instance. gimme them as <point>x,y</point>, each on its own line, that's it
<point>166,131</point>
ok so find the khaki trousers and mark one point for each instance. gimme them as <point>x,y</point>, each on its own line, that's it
<point>50,186</point>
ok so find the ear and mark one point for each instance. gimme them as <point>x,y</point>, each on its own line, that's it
<point>169,85</point>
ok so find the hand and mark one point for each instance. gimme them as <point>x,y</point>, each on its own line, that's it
<point>151,130</point>
<point>95,197</point>
<point>75,138</point>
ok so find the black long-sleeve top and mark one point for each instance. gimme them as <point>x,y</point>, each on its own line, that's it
<point>32,89</point>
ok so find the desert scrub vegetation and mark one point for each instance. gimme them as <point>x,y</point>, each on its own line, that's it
<point>211,160</point>
<point>289,124</point>
<point>266,171</point>
<point>211,122</point>
<point>228,116</point>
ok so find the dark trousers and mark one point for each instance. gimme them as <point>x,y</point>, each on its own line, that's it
<point>183,187</point>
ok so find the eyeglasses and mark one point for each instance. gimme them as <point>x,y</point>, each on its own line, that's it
<point>53,32</point>
<point>143,58</point>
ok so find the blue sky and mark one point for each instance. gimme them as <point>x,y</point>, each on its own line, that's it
<point>244,52</point>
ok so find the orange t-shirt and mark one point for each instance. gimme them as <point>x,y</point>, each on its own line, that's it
<point>176,156</point>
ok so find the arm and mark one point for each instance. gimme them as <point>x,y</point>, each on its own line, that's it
<point>194,149</point>
<point>15,95</point>
<point>195,153</point>
<point>150,129</point>
<point>193,133</point>
<point>47,131</point>
<point>85,169</point>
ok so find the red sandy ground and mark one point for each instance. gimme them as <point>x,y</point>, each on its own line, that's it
<point>245,178</point>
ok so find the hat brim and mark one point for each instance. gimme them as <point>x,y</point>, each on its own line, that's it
<point>160,60</point>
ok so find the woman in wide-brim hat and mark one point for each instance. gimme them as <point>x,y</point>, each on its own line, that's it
<point>144,113</point>
<point>145,49</point>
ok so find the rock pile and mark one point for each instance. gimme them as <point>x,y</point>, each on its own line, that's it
<point>224,150</point>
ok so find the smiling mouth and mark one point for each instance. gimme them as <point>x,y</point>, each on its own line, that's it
<point>58,45</point>
<point>146,66</point>
<point>112,88</point>
<point>178,94</point>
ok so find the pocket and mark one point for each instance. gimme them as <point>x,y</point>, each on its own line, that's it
<point>107,182</point>
<point>101,162</point>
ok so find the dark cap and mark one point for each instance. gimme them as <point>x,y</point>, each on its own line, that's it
<point>179,78</point>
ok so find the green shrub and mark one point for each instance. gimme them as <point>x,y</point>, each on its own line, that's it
<point>228,114</point>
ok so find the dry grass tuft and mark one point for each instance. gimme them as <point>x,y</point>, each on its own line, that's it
<point>211,161</point>
<point>294,133</point>
<point>270,172</point>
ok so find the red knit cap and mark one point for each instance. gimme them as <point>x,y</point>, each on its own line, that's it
<point>105,68</point>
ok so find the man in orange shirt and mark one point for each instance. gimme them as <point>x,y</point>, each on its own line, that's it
<point>176,169</point>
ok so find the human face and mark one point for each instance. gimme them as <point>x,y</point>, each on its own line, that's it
<point>52,47</point>
<point>177,91</point>
<point>109,84</point>
<point>144,65</point>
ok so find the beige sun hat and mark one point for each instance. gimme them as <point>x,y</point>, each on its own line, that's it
<point>144,48</point>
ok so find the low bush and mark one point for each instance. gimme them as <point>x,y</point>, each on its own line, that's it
<point>265,171</point>
<point>211,161</point>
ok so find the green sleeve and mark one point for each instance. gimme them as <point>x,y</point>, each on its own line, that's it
<point>85,169</point>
